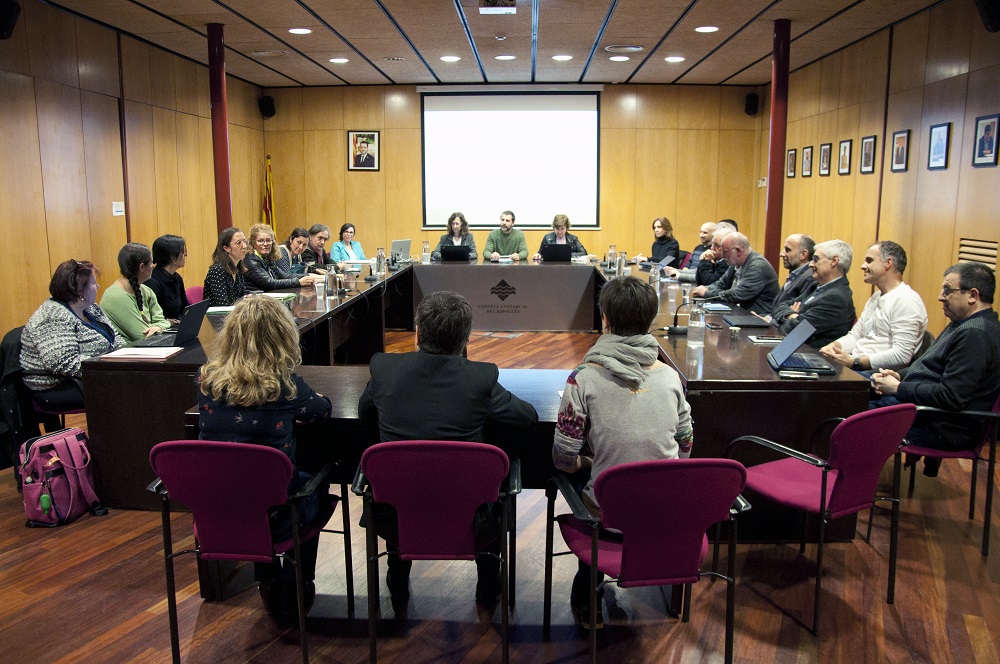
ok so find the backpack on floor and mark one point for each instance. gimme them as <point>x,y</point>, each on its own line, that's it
<point>56,479</point>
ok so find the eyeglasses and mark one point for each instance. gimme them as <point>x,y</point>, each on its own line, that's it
<point>948,290</point>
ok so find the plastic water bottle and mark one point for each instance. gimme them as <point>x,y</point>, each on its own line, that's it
<point>425,253</point>
<point>380,261</point>
<point>696,327</point>
<point>620,266</point>
<point>612,256</point>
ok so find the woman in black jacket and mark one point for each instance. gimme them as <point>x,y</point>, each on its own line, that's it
<point>265,269</point>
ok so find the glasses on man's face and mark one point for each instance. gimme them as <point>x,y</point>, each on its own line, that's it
<point>948,290</point>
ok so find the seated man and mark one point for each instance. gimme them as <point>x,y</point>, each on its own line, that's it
<point>829,306</point>
<point>437,394</point>
<point>894,319</point>
<point>796,255</point>
<point>506,241</point>
<point>710,265</point>
<point>621,405</point>
<point>750,281</point>
<point>960,371</point>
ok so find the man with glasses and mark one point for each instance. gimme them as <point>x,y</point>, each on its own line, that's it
<point>894,319</point>
<point>750,281</point>
<point>960,371</point>
<point>829,306</point>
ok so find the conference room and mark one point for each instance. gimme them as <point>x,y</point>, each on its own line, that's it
<point>109,137</point>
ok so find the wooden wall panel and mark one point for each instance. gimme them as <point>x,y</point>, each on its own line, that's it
<point>322,109</point>
<point>364,108</point>
<point>697,178</point>
<point>135,70</point>
<point>365,207</point>
<point>242,99</point>
<point>402,108</point>
<point>978,193</point>
<point>323,179</point>
<point>189,179</point>
<point>699,107</point>
<point>948,43</point>
<point>14,52</point>
<point>909,53</point>
<point>51,35</point>
<point>103,158</point>
<point>97,49</point>
<point>202,244</point>
<point>618,194</point>
<point>141,169</point>
<point>288,110</point>
<point>655,186</point>
<point>618,107</point>
<point>288,166</point>
<point>737,175</point>
<point>165,167</point>
<point>985,49</point>
<point>404,197</point>
<point>162,81</point>
<point>656,107</point>
<point>186,83</point>
<point>899,189</point>
<point>732,110</point>
<point>803,93</point>
<point>246,157</point>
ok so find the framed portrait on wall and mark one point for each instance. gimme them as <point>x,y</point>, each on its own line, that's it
<point>790,164</point>
<point>363,151</point>
<point>984,146</point>
<point>867,165</point>
<point>807,161</point>
<point>900,150</point>
<point>844,160</point>
<point>937,153</point>
<point>824,158</point>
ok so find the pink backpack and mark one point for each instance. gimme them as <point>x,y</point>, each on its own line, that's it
<point>56,479</point>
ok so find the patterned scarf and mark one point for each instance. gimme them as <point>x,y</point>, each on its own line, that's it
<point>625,357</point>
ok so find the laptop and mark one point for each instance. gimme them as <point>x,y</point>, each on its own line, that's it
<point>187,331</point>
<point>399,251</point>
<point>450,252</point>
<point>556,253</point>
<point>783,356</point>
<point>745,320</point>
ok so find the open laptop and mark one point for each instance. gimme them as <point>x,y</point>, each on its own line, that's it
<point>783,356</point>
<point>187,331</point>
<point>460,253</point>
<point>556,253</point>
<point>399,251</point>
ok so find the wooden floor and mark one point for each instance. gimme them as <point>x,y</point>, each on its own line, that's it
<point>93,591</point>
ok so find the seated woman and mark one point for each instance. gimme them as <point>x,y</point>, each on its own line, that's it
<point>169,255</point>
<point>224,283</point>
<point>458,235</point>
<point>248,393</point>
<point>292,251</point>
<point>132,306</point>
<point>61,334</point>
<point>265,269</point>
<point>621,405</point>
<point>347,249</point>
<point>560,235</point>
<point>664,242</point>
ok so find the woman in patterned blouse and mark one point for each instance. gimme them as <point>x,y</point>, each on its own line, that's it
<point>224,283</point>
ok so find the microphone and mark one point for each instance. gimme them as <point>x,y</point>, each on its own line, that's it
<point>675,329</point>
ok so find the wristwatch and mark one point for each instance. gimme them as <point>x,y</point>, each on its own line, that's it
<point>857,364</point>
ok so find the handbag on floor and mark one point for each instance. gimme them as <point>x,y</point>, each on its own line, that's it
<point>56,479</point>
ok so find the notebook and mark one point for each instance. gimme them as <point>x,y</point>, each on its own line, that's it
<point>455,253</point>
<point>783,356</point>
<point>187,331</point>
<point>556,253</point>
<point>745,320</point>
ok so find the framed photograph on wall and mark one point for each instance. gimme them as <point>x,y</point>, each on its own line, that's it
<point>984,146</point>
<point>844,160</point>
<point>937,153</point>
<point>807,161</point>
<point>867,165</point>
<point>790,164</point>
<point>824,158</point>
<point>363,153</point>
<point>900,150</point>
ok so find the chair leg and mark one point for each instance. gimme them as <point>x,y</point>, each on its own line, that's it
<point>871,517</point>
<point>988,515</point>
<point>686,609</point>
<point>371,548</point>
<point>715,548</point>
<point>972,489</point>
<point>731,593</point>
<point>593,597</point>
<point>913,476</point>
<point>897,469</point>
<point>505,589</point>
<point>547,591</point>
<point>168,563</point>
<point>819,573</point>
<point>348,548</point>
<point>802,535</point>
<point>512,555</point>
<point>300,586</point>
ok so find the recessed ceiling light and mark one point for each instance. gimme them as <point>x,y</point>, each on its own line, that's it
<point>300,31</point>
<point>707,28</point>
<point>562,58</point>
<point>505,57</point>
<point>618,58</point>
<point>339,61</point>
<point>674,58</point>
<point>450,58</point>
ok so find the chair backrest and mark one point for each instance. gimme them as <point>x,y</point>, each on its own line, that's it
<point>988,429</point>
<point>229,488</point>
<point>435,487</point>
<point>663,509</point>
<point>925,343</point>
<point>683,260</point>
<point>194,294</point>
<point>859,448</point>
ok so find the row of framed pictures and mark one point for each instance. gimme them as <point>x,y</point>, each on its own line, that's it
<point>984,151</point>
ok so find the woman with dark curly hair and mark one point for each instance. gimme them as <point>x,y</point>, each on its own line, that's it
<point>458,235</point>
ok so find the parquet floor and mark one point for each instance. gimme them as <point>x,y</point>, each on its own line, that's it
<point>93,591</point>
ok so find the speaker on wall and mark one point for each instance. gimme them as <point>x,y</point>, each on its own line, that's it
<point>9,11</point>
<point>266,104</point>
<point>751,103</point>
<point>989,11</point>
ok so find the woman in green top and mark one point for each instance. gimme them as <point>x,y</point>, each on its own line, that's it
<point>132,307</point>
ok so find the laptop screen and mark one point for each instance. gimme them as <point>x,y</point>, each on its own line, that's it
<point>400,250</point>
<point>791,343</point>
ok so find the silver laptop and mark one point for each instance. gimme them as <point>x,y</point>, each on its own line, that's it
<point>399,251</point>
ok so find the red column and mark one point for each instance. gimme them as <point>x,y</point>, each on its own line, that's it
<point>220,125</point>
<point>776,142</point>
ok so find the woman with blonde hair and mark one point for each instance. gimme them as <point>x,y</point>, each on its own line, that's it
<point>560,235</point>
<point>248,392</point>
<point>266,270</point>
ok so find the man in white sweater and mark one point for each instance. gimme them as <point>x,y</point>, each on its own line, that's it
<point>892,325</point>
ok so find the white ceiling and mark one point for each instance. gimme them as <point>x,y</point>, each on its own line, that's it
<point>416,33</point>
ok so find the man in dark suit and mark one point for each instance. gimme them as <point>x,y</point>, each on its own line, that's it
<point>437,394</point>
<point>986,146</point>
<point>796,255</point>
<point>362,159</point>
<point>750,281</point>
<point>830,306</point>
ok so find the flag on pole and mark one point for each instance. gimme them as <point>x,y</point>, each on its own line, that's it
<point>267,208</point>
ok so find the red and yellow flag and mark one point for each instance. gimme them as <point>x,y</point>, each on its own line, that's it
<point>267,208</point>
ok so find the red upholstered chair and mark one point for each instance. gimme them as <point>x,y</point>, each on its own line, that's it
<point>194,294</point>
<point>231,489</point>
<point>975,455</point>
<point>842,485</point>
<point>435,487</point>
<point>663,509</point>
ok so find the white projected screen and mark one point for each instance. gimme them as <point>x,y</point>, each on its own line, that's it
<point>533,154</point>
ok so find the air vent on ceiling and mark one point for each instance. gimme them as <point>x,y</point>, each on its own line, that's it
<point>268,54</point>
<point>624,48</point>
<point>394,59</point>
<point>978,251</point>
<point>497,7</point>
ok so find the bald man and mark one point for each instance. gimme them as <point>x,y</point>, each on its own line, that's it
<point>750,281</point>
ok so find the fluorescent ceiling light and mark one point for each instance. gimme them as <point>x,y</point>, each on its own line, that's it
<point>339,61</point>
<point>674,58</point>
<point>450,58</point>
<point>505,57</point>
<point>300,31</point>
<point>618,58</point>
<point>707,28</point>
<point>562,58</point>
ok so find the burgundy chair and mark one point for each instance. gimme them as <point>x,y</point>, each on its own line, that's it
<point>975,455</point>
<point>842,485</point>
<point>663,509</point>
<point>194,294</point>
<point>435,487</point>
<point>231,489</point>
